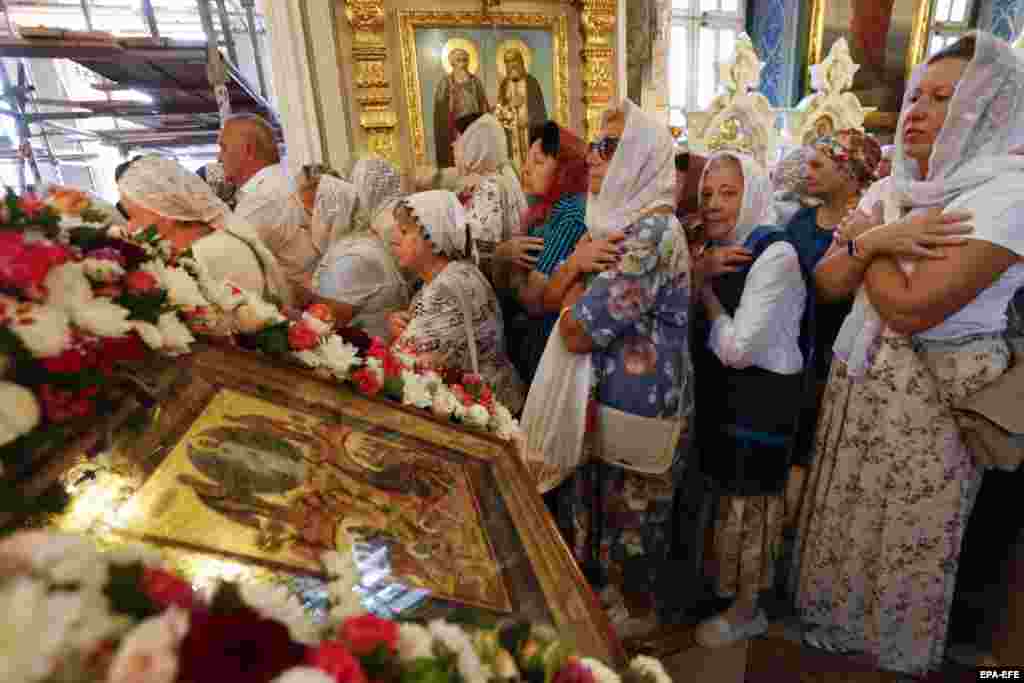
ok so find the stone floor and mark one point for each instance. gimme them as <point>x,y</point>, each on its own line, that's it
<point>779,657</point>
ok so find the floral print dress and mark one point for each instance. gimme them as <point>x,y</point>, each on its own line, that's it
<point>618,521</point>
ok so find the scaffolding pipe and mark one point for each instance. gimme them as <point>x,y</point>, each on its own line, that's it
<point>257,49</point>
<point>150,15</point>
<point>225,25</point>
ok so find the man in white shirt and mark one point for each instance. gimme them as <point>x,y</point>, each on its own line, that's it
<point>266,197</point>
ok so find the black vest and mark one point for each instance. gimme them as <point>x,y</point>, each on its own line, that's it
<point>747,420</point>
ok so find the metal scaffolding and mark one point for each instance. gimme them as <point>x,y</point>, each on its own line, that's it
<point>192,85</point>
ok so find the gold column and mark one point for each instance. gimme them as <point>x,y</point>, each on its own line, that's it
<point>373,92</point>
<point>597,21</point>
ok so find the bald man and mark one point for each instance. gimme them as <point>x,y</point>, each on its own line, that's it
<point>266,198</point>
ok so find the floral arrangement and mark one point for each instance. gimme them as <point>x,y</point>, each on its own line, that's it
<point>77,615</point>
<point>74,307</point>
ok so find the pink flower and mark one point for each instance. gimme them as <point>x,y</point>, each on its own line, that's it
<point>367,381</point>
<point>149,654</point>
<point>639,356</point>
<point>627,299</point>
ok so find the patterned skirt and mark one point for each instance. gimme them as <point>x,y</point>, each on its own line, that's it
<point>888,499</point>
<point>748,539</point>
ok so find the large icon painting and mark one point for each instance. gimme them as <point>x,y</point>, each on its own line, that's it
<point>261,481</point>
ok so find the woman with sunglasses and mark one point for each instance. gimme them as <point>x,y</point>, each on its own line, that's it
<point>625,316</point>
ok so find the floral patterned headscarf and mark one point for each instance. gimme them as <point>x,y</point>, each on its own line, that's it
<point>856,153</point>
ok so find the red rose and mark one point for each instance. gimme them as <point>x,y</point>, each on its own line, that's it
<point>472,379</point>
<point>24,265</point>
<point>574,672</point>
<point>302,337</point>
<point>378,349</point>
<point>240,646</point>
<point>125,349</point>
<point>367,381</point>
<point>392,366</point>
<point>364,634</point>
<point>70,361</point>
<point>140,282</point>
<point>486,396</point>
<point>322,312</point>
<point>167,589</point>
<point>31,205</point>
<point>335,660</point>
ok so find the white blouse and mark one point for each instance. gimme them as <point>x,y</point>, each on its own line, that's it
<point>764,330</point>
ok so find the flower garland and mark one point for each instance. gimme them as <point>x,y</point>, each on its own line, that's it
<point>72,308</point>
<point>75,614</point>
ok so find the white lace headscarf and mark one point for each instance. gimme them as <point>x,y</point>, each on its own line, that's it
<point>166,187</point>
<point>640,177</point>
<point>443,220</point>
<point>984,121</point>
<point>334,212</point>
<point>758,206</point>
<point>379,185</point>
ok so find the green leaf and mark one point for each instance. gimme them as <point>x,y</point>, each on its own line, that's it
<point>86,238</point>
<point>273,340</point>
<point>393,388</point>
<point>513,636</point>
<point>381,665</point>
<point>436,670</point>
<point>124,588</point>
<point>145,307</point>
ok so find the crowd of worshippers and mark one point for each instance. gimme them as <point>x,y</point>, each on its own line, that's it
<point>695,346</point>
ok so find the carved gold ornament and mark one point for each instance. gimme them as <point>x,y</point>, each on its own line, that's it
<point>597,21</point>
<point>373,91</point>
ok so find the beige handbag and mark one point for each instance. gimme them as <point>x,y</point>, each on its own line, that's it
<point>992,420</point>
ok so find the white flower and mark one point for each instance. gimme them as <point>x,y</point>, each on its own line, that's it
<point>19,412</point>
<point>275,601</point>
<point>338,356</point>
<point>414,642</point>
<point>102,270</point>
<point>502,422</point>
<point>478,416</point>
<point>455,640</point>
<point>149,653</point>
<point>150,334</point>
<point>321,328</point>
<point>67,287</point>
<point>602,674</point>
<point>310,358</point>
<point>303,674</point>
<point>182,288</point>
<point>177,337</point>
<point>223,294</point>
<point>44,330</point>
<point>134,554</point>
<point>103,318</point>
<point>256,314</point>
<point>33,630</point>
<point>345,600</point>
<point>447,404</point>
<point>416,390</point>
<point>650,670</point>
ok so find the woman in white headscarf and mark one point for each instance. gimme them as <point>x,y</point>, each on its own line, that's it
<point>489,188</point>
<point>748,348</point>
<point>893,482</point>
<point>454,320</point>
<point>358,274</point>
<point>621,346</point>
<point>162,192</point>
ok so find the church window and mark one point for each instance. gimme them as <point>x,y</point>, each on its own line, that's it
<point>950,19</point>
<point>703,36</point>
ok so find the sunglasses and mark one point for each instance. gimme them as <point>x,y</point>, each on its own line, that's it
<point>605,147</point>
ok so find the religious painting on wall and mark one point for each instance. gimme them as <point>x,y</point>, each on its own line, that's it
<point>455,64</point>
<point>887,38</point>
<point>257,480</point>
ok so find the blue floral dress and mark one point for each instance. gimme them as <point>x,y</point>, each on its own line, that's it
<point>617,521</point>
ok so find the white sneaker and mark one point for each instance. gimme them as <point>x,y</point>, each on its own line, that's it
<point>720,632</point>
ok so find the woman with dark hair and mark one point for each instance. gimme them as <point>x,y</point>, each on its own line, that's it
<point>893,482</point>
<point>555,176</point>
